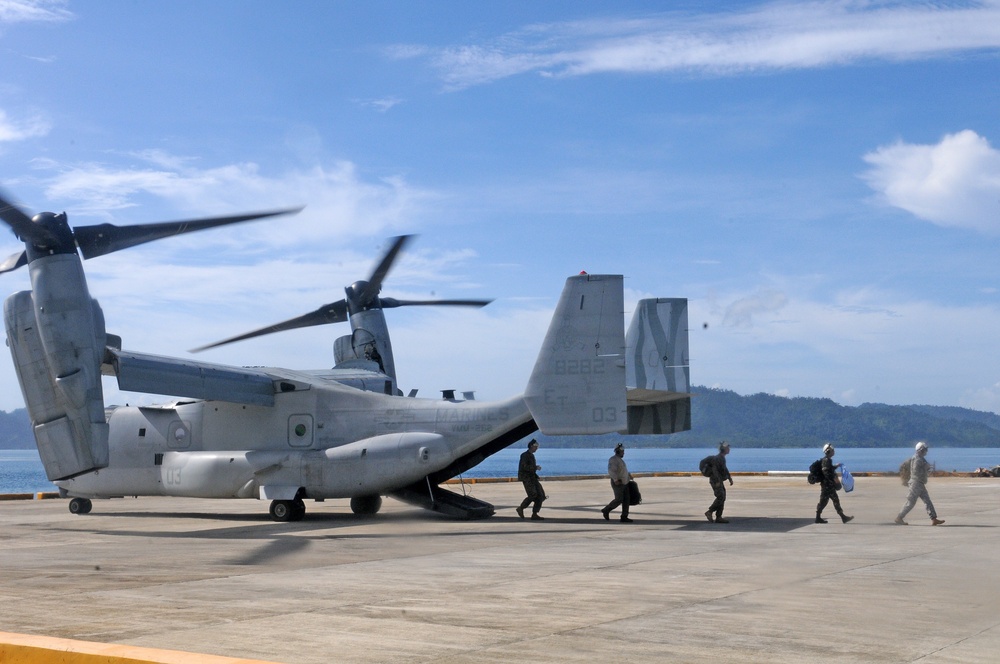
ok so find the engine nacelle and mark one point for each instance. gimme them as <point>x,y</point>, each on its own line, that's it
<point>376,464</point>
<point>56,337</point>
<point>365,467</point>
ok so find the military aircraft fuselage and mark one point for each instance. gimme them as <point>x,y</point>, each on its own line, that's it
<point>332,441</point>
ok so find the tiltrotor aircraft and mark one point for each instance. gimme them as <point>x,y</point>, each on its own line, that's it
<point>289,436</point>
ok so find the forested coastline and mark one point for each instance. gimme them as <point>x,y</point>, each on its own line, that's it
<point>766,420</point>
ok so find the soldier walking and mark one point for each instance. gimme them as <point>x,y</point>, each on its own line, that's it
<point>919,470</point>
<point>829,484</point>
<point>618,472</point>
<point>718,474</point>
<point>527,473</point>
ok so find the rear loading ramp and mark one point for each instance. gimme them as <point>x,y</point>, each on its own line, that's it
<point>448,503</point>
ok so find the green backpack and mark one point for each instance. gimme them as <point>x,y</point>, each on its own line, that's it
<point>904,472</point>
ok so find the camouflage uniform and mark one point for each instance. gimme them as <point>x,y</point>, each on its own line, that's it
<point>717,478</point>
<point>829,484</point>
<point>527,473</point>
<point>919,470</point>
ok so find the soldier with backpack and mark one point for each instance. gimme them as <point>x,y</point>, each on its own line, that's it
<point>829,485</point>
<point>714,468</point>
<point>917,480</point>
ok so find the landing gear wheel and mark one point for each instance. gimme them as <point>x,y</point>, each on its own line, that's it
<point>282,510</point>
<point>80,506</point>
<point>366,505</point>
<point>288,510</point>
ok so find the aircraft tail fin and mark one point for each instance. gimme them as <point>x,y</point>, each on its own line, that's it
<point>658,372</point>
<point>578,383</point>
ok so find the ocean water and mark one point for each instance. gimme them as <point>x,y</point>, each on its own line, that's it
<point>21,470</point>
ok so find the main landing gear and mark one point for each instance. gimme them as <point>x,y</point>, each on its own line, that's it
<point>366,505</point>
<point>288,510</point>
<point>80,506</point>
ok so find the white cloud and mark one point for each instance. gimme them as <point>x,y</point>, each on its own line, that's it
<point>19,130</point>
<point>24,11</point>
<point>774,36</point>
<point>381,105</point>
<point>340,203</point>
<point>740,313</point>
<point>954,183</point>
<point>865,345</point>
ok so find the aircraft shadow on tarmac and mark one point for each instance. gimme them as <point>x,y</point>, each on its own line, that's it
<point>320,526</point>
<point>260,526</point>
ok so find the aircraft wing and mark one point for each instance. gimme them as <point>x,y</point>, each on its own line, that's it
<point>156,374</point>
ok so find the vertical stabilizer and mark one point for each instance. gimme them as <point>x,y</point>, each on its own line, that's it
<point>657,344</point>
<point>657,367</point>
<point>578,383</point>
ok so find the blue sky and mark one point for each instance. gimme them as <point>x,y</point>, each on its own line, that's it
<point>820,179</point>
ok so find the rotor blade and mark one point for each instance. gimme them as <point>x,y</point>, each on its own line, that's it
<point>391,303</point>
<point>14,261</point>
<point>335,312</point>
<point>106,238</point>
<point>375,281</point>
<point>21,224</point>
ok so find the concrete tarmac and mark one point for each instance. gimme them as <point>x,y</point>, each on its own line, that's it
<point>219,577</point>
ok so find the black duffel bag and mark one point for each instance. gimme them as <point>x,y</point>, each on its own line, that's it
<point>634,497</point>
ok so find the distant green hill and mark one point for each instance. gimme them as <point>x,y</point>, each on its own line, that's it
<point>757,420</point>
<point>15,431</point>
<point>765,420</point>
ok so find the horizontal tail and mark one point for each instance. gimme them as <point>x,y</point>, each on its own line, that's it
<point>578,383</point>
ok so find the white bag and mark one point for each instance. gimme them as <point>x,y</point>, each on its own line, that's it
<point>846,479</point>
